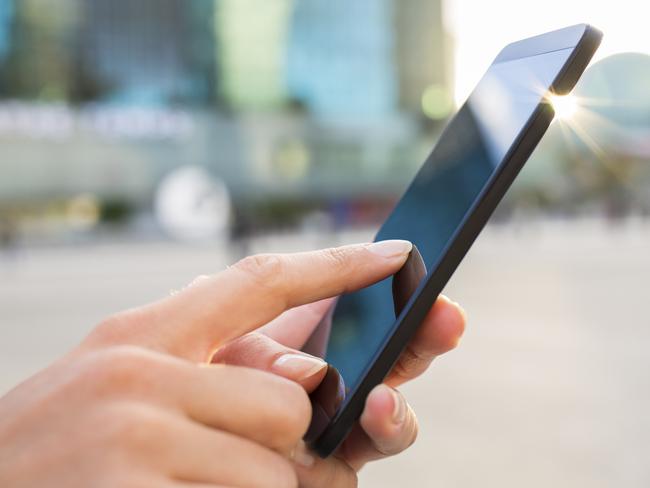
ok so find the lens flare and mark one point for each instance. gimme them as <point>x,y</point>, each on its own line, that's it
<point>564,106</point>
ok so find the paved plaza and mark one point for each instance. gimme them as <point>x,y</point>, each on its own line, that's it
<point>549,388</point>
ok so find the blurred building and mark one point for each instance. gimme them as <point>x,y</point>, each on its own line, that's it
<point>282,99</point>
<point>153,52</point>
<point>370,58</point>
<point>423,53</point>
<point>340,58</point>
<point>251,52</point>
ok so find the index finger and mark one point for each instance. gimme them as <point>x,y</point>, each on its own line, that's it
<point>247,295</point>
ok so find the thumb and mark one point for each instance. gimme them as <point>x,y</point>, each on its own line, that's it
<point>255,350</point>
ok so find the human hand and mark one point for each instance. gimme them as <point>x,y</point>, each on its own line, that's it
<point>137,404</point>
<point>388,425</point>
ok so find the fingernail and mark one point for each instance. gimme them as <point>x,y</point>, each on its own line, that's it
<point>390,249</point>
<point>462,311</point>
<point>298,366</point>
<point>399,409</point>
<point>458,306</point>
<point>302,456</point>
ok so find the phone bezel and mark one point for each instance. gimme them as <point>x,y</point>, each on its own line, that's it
<point>585,39</point>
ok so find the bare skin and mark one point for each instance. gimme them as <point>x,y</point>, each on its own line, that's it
<point>207,387</point>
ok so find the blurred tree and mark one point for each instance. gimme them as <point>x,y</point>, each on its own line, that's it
<point>40,63</point>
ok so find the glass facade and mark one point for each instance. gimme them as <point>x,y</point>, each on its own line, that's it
<point>341,58</point>
<point>6,18</point>
<point>310,97</point>
<point>149,52</point>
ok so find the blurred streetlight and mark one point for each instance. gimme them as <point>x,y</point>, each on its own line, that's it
<point>83,212</point>
<point>190,205</point>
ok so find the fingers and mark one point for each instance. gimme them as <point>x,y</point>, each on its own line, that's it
<point>190,450</point>
<point>389,421</point>
<point>195,321</point>
<point>387,427</point>
<point>439,333</point>
<point>143,444</point>
<point>255,350</point>
<point>260,406</point>
<point>294,327</point>
<point>315,472</point>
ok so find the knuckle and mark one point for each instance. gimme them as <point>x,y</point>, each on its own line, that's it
<point>412,364</point>
<point>108,327</point>
<point>339,257</point>
<point>113,329</point>
<point>131,427</point>
<point>117,368</point>
<point>143,432</point>
<point>116,320</point>
<point>242,350</point>
<point>253,341</point>
<point>262,269</point>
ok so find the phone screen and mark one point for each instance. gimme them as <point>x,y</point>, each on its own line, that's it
<point>433,208</point>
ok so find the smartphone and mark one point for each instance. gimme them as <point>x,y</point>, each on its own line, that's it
<point>476,159</point>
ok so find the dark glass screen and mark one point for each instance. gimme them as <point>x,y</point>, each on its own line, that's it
<point>435,205</point>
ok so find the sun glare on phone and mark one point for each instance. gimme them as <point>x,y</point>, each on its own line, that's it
<point>565,106</point>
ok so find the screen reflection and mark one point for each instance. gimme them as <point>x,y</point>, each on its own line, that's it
<point>429,214</point>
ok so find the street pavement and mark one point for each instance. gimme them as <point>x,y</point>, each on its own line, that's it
<point>549,387</point>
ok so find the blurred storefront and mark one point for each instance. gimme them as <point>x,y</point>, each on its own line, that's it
<point>295,106</point>
<point>279,100</point>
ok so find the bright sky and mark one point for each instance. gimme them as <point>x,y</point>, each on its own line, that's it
<point>482,27</point>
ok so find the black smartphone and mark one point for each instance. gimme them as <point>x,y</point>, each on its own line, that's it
<point>475,161</point>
